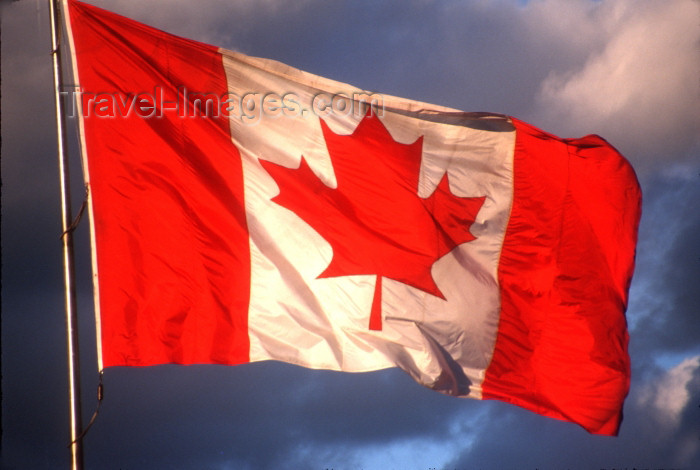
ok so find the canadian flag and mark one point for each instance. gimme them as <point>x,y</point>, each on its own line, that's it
<point>243,210</point>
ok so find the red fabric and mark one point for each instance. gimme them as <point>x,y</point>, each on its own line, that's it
<point>167,193</point>
<point>564,273</point>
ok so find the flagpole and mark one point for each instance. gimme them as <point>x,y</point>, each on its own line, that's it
<point>67,239</point>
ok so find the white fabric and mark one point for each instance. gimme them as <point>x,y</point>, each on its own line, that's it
<point>292,312</point>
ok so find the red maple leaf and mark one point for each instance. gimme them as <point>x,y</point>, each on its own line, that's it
<point>375,221</point>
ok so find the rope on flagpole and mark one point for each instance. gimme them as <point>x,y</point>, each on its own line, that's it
<point>67,242</point>
<point>100,396</point>
<point>73,225</point>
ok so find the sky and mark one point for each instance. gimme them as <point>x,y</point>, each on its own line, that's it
<point>625,69</point>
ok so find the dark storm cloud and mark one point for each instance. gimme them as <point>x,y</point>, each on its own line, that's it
<point>260,415</point>
<point>667,303</point>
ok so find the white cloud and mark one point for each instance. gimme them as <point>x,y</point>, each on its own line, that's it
<point>411,453</point>
<point>667,398</point>
<point>641,88</point>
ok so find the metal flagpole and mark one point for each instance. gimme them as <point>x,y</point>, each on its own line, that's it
<point>67,238</point>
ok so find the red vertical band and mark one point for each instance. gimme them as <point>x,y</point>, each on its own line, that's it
<point>166,184</point>
<point>375,318</point>
<point>565,269</point>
